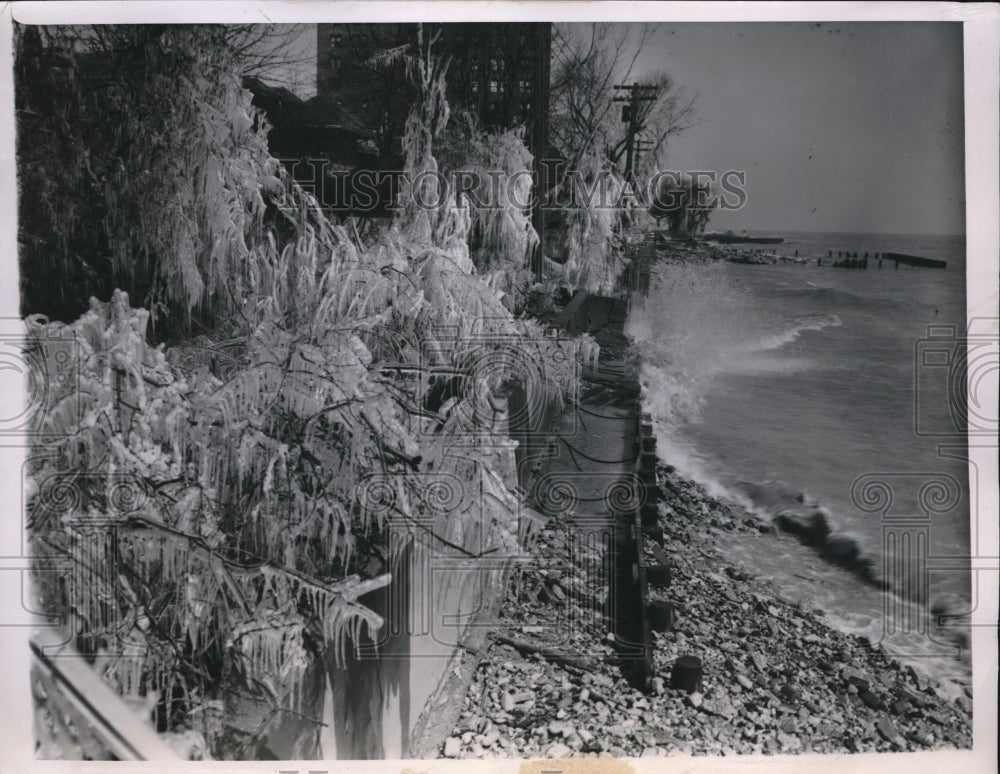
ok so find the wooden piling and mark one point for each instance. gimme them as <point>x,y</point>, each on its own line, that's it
<point>686,674</point>
<point>658,575</point>
<point>661,616</point>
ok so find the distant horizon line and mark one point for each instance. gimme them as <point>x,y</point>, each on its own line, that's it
<point>809,231</point>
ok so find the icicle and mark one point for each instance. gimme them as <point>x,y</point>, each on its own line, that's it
<point>167,558</point>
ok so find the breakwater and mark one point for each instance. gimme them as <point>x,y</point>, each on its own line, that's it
<point>738,666</point>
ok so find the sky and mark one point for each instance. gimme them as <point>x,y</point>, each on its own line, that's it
<point>842,126</point>
<point>838,126</point>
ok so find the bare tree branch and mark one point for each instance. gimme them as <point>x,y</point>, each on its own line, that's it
<point>588,64</point>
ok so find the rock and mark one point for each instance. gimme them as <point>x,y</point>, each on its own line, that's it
<point>659,686</point>
<point>856,678</point>
<point>507,702</point>
<point>789,743</point>
<point>585,735</point>
<point>744,682</point>
<point>964,704</point>
<point>901,707</point>
<point>736,573</point>
<point>886,729</point>
<point>920,737</point>
<point>558,750</point>
<point>452,747</point>
<point>650,752</point>
<point>720,706</point>
<point>826,728</point>
<point>870,699</point>
<point>790,693</point>
<point>557,591</point>
<point>696,699</point>
<point>489,739</point>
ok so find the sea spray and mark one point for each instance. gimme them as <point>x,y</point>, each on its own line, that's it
<point>695,325</point>
<point>775,373</point>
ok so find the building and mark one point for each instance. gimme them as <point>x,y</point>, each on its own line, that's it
<point>494,71</point>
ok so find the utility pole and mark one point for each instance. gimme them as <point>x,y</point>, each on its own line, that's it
<point>540,134</point>
<point>630,115</point>
<point>641,146</point>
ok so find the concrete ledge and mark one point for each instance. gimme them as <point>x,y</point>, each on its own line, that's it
<point>573,317</point>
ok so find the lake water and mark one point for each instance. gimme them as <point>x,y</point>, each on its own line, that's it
<point>809,389</point>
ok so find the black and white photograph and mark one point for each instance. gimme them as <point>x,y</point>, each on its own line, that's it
<point>501,382</point>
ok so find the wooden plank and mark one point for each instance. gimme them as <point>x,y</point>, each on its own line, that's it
<point>916,260</point>
<point>660,555</point>
<point>570,319</point>
<point>113,721</point>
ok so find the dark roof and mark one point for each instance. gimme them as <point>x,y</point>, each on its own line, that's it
<point>285,110</point>
<point>323,112</point>
<point>281,106</point>
<point>267,91</point>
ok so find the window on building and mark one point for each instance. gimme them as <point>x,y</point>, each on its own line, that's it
<point>336,62</point>
<point>493,87</point>
<point>336,38</point>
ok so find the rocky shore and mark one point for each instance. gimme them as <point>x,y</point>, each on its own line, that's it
<point>698,251</point>
<point>776,678</point>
